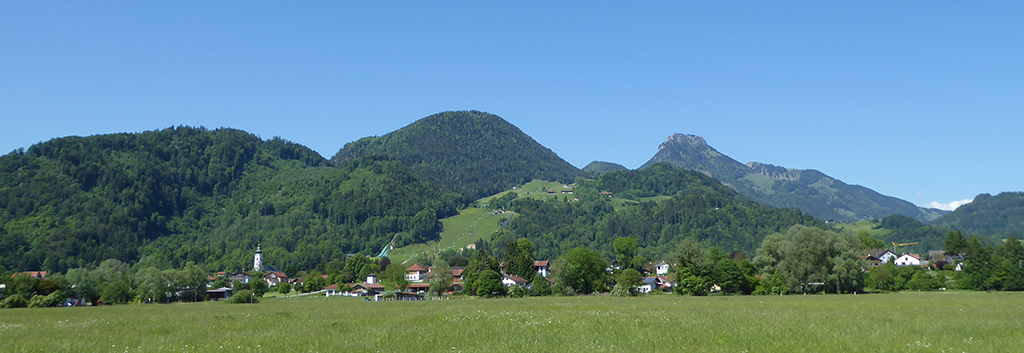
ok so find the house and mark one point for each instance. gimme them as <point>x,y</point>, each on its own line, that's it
<point>219,293</point>
<point>273,278</point>
<point>909,260</point>
<point>605,193</point>
<point>878,257</point>
<point>243,277</point>
<point>457,273</point>
<point>542,267</point>
<point>513,280</point>
<point>418,287</point>
<point>415,273</point>
<point>331,290</point>
<point>31,274</point>
<point>661,268</point>
<point>567,191</point>
<point>650,285</point>
<point>408,296</point>
<point>361,289</point>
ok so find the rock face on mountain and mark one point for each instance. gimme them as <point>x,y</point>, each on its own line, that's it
<point>811,191</point>
<point>476,153</point>
<point>599,167</point>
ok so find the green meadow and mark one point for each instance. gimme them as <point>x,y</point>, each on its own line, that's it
<point>899,322</point>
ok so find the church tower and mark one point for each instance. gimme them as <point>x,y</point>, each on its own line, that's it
<point>257,261</point>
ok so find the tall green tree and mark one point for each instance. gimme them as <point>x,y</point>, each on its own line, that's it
<point>807,257</point>
<point>440,278</point>
<point>581,269</point>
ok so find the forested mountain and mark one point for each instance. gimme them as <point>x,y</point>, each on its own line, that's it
<point>700,209</point>
<point>1001,216</point>
<point>166,197</point>
<point>808,190</point>
<point>599,167</point>
<point>475,153</point>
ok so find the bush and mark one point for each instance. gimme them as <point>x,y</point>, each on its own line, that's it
<point>516,292</point>
<point>53,299</point>
<point>622,290</point>
<point>244,296</point>
<point>284,288</point>
<point>14,301</point>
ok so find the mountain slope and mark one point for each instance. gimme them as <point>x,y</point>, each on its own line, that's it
<point>1001,215</point>
<point>808,190</point>
<point>699,209</point>
<point>190,194</point>
<point>599,167</point>
<point>476,153</point>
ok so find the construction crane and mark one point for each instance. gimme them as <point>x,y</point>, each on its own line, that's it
<point>895,245</point>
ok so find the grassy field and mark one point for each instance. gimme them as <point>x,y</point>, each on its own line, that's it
<point>470,225</point>
<point>901,322</point>
<point>864,226</point>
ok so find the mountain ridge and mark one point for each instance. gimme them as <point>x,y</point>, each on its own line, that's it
<point>809,190</point>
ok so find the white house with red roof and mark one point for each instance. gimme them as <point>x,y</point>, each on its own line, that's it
<point>415,273</point>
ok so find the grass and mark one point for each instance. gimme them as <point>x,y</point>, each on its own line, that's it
<point>470,225</point>
<point>900,322</point>
<point>866,226</point>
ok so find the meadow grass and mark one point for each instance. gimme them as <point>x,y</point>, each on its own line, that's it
<point>470,225</point>
<point>866,226</point>
<point>900,322</point>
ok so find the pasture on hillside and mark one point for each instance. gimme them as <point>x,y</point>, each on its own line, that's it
<point>898,322</point>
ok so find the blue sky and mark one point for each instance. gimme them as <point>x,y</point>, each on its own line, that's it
<point>919,100</point>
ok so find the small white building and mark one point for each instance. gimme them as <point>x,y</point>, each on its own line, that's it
<point>909,260</point>
<point>542,267</point>
<point>661,268</point>
<point>513,280</point>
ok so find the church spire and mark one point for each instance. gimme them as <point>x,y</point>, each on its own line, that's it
<point>257,261</point>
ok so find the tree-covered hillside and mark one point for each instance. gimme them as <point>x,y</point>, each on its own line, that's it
<point>599,167</point>
<point>190,194</point>
<point>700,209</point>
<point>808,190</point>
<point>1001,215</point>
<point>476,153</point>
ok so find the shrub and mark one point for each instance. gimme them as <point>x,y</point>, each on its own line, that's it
<point>53,299</point>
<point>244,296</point>
<point>14,301</point>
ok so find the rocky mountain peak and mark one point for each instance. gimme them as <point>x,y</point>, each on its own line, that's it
<point>691,140</point>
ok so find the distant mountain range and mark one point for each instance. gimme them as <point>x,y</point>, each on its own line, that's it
<point>811,191</point>
<point>1001,215</point>
<point>164,198</point>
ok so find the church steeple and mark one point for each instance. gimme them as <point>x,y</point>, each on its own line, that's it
<point>257,261</point>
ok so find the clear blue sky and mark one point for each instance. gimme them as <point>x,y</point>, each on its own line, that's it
<point>921,100</point>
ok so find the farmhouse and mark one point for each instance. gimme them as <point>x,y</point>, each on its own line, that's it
<point>415,273</point>
<point>879,257</point>
<point>31,274</point>
<point>243,277</point>
<point>513,280</point>
<point>661,268</point>
<point>909,260</point>
<point>273,278</point>
<point>542,267</point>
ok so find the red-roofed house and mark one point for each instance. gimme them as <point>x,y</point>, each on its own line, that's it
<point>542,268</point>
<point>273,278</point>
<point>511,280</point>
<point>32,274</point>
<point>415,273</point>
